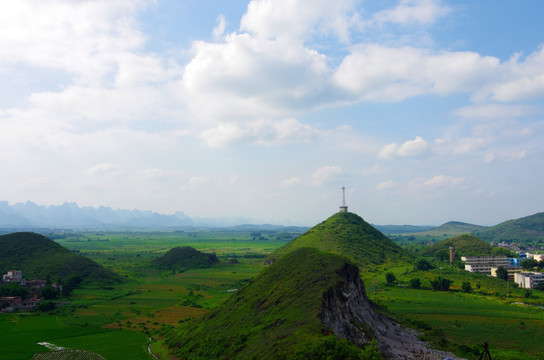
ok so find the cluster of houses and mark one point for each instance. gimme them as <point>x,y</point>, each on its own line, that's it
<point>490,264</point>
<point>18,303</point>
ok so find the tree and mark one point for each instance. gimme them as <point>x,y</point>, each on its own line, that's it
<point>422,265</point>
<point>540,286</point>
<point>502,273</point>
<point>466,287</point>
<point>48,293</point>
<point>529,264</point>
<point>390,278</point>
<point>13,289</point>
<point>441,284</point>
<point>46,306</point>
<point>414,283</point>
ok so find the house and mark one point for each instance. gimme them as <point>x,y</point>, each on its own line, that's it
<point>14,275</point>
<point>536,257</point>
<point>10,303</point>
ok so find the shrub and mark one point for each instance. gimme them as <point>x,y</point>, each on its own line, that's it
<point>390,278</point>
<point>466,287</point>
<point>423,265</point>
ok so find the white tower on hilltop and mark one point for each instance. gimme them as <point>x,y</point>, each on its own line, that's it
<point>344,207</point>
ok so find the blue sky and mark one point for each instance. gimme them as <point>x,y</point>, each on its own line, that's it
<point>426,111</point>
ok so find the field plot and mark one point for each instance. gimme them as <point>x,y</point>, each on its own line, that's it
<point>513,331</point>
<point>21,334</point>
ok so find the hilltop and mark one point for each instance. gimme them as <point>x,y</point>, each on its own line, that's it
<point>465,245</point>
<point>452,228</point>
<point>39,257</point>
<point>184,258</point>
<point>526,229</point>
<point>297,308</point>
<point>347,234</point>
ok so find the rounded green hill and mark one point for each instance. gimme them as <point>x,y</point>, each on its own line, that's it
<point>39,257</point>
<point>347,234</point>
<point>465,245</point>
<point>183,258</point>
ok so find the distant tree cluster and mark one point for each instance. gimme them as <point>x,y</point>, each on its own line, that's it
<point>441,284</point>
<point>531,264</point>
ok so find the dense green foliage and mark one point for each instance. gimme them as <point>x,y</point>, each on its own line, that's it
<point>465,245</point>
<point>184,258</point>
<point>13,289</point>
<point>440,283</point>
<point>347,234</point>
<point>528,229</point>
<point>38,257</point>
<point>274,316</point>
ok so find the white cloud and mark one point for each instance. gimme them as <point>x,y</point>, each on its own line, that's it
<point>261,132</point>
<point>413,11</point>
<point>374,72</point>
<point>292,182</point>
<point>442,180</point>
<point>494,111</point>
<point>326,173</point>
<point>106,169</point>
<point>409,149</point>
<point>219,30</point>
<point>385,185</point>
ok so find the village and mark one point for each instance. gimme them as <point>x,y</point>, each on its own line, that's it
<point>33,293</point>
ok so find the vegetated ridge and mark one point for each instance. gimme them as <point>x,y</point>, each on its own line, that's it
<point>39,257</point>
<point>297,308</point>
<point>452,228</point>
<point>465,245</point>
<point>184,258</point>
<point>347,234</point>
<point>526,229</point>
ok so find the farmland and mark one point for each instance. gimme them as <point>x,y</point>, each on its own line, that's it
<point>116,321</point>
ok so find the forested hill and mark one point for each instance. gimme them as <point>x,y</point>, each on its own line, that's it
<point>347,234</point>
<point>525,229</point>
<point>39,257</point>
<point>453,228</point>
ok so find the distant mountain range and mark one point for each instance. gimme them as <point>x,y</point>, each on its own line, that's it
<point>29,215</point>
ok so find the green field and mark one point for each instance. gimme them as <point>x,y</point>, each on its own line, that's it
<point>117,321</point>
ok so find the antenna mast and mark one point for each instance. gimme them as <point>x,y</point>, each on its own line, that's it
<point>344,207</point>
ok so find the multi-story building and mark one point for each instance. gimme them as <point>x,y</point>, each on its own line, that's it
<point>483,264</point>
<point>528,280</point>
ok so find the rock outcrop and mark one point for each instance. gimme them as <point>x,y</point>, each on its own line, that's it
<point>349,313</point>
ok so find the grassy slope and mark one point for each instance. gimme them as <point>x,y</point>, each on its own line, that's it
<point>37,257</point>
<point>347,234</point>
<point>526,229</point>
<point>184,258</point>
<point>273,316</point>
<point>465,245</point>
<point>453,228</point>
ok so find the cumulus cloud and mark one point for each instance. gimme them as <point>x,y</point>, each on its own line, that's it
<point>385,185</point>
<point>442,180</point>
<point>261,132</point>
<point>326,173</point>
<point>413,11</point>
<point>409,149</point>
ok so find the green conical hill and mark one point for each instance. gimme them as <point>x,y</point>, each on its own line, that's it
<point>39,257</point>
<point>465,245</point>
<point>347,234</point>
<point>298,308</point>
<point>184,258</point>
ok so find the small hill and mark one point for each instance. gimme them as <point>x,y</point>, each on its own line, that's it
<point>184,258</point>
<point>38,257</point>
<point>297,308</point>
<point>465,245</point>
<point>453,228</point>
<point>528,229</point>
<point>347,234</point>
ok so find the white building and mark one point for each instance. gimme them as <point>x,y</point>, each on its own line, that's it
<point>528,280</point>
<point>483,264</point>
<point>537,257</point>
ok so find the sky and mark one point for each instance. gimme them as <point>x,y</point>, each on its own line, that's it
<point>427,111</point>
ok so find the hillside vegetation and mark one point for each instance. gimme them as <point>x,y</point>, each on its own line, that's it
<point>184,258</point>
<point>39,257</point>
<point>465,245</point>
<point>528,229</point>
<point>347,234</point>
<point>453,228</point>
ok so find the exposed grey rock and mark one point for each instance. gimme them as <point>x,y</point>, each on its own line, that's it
<point>349,314</point>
